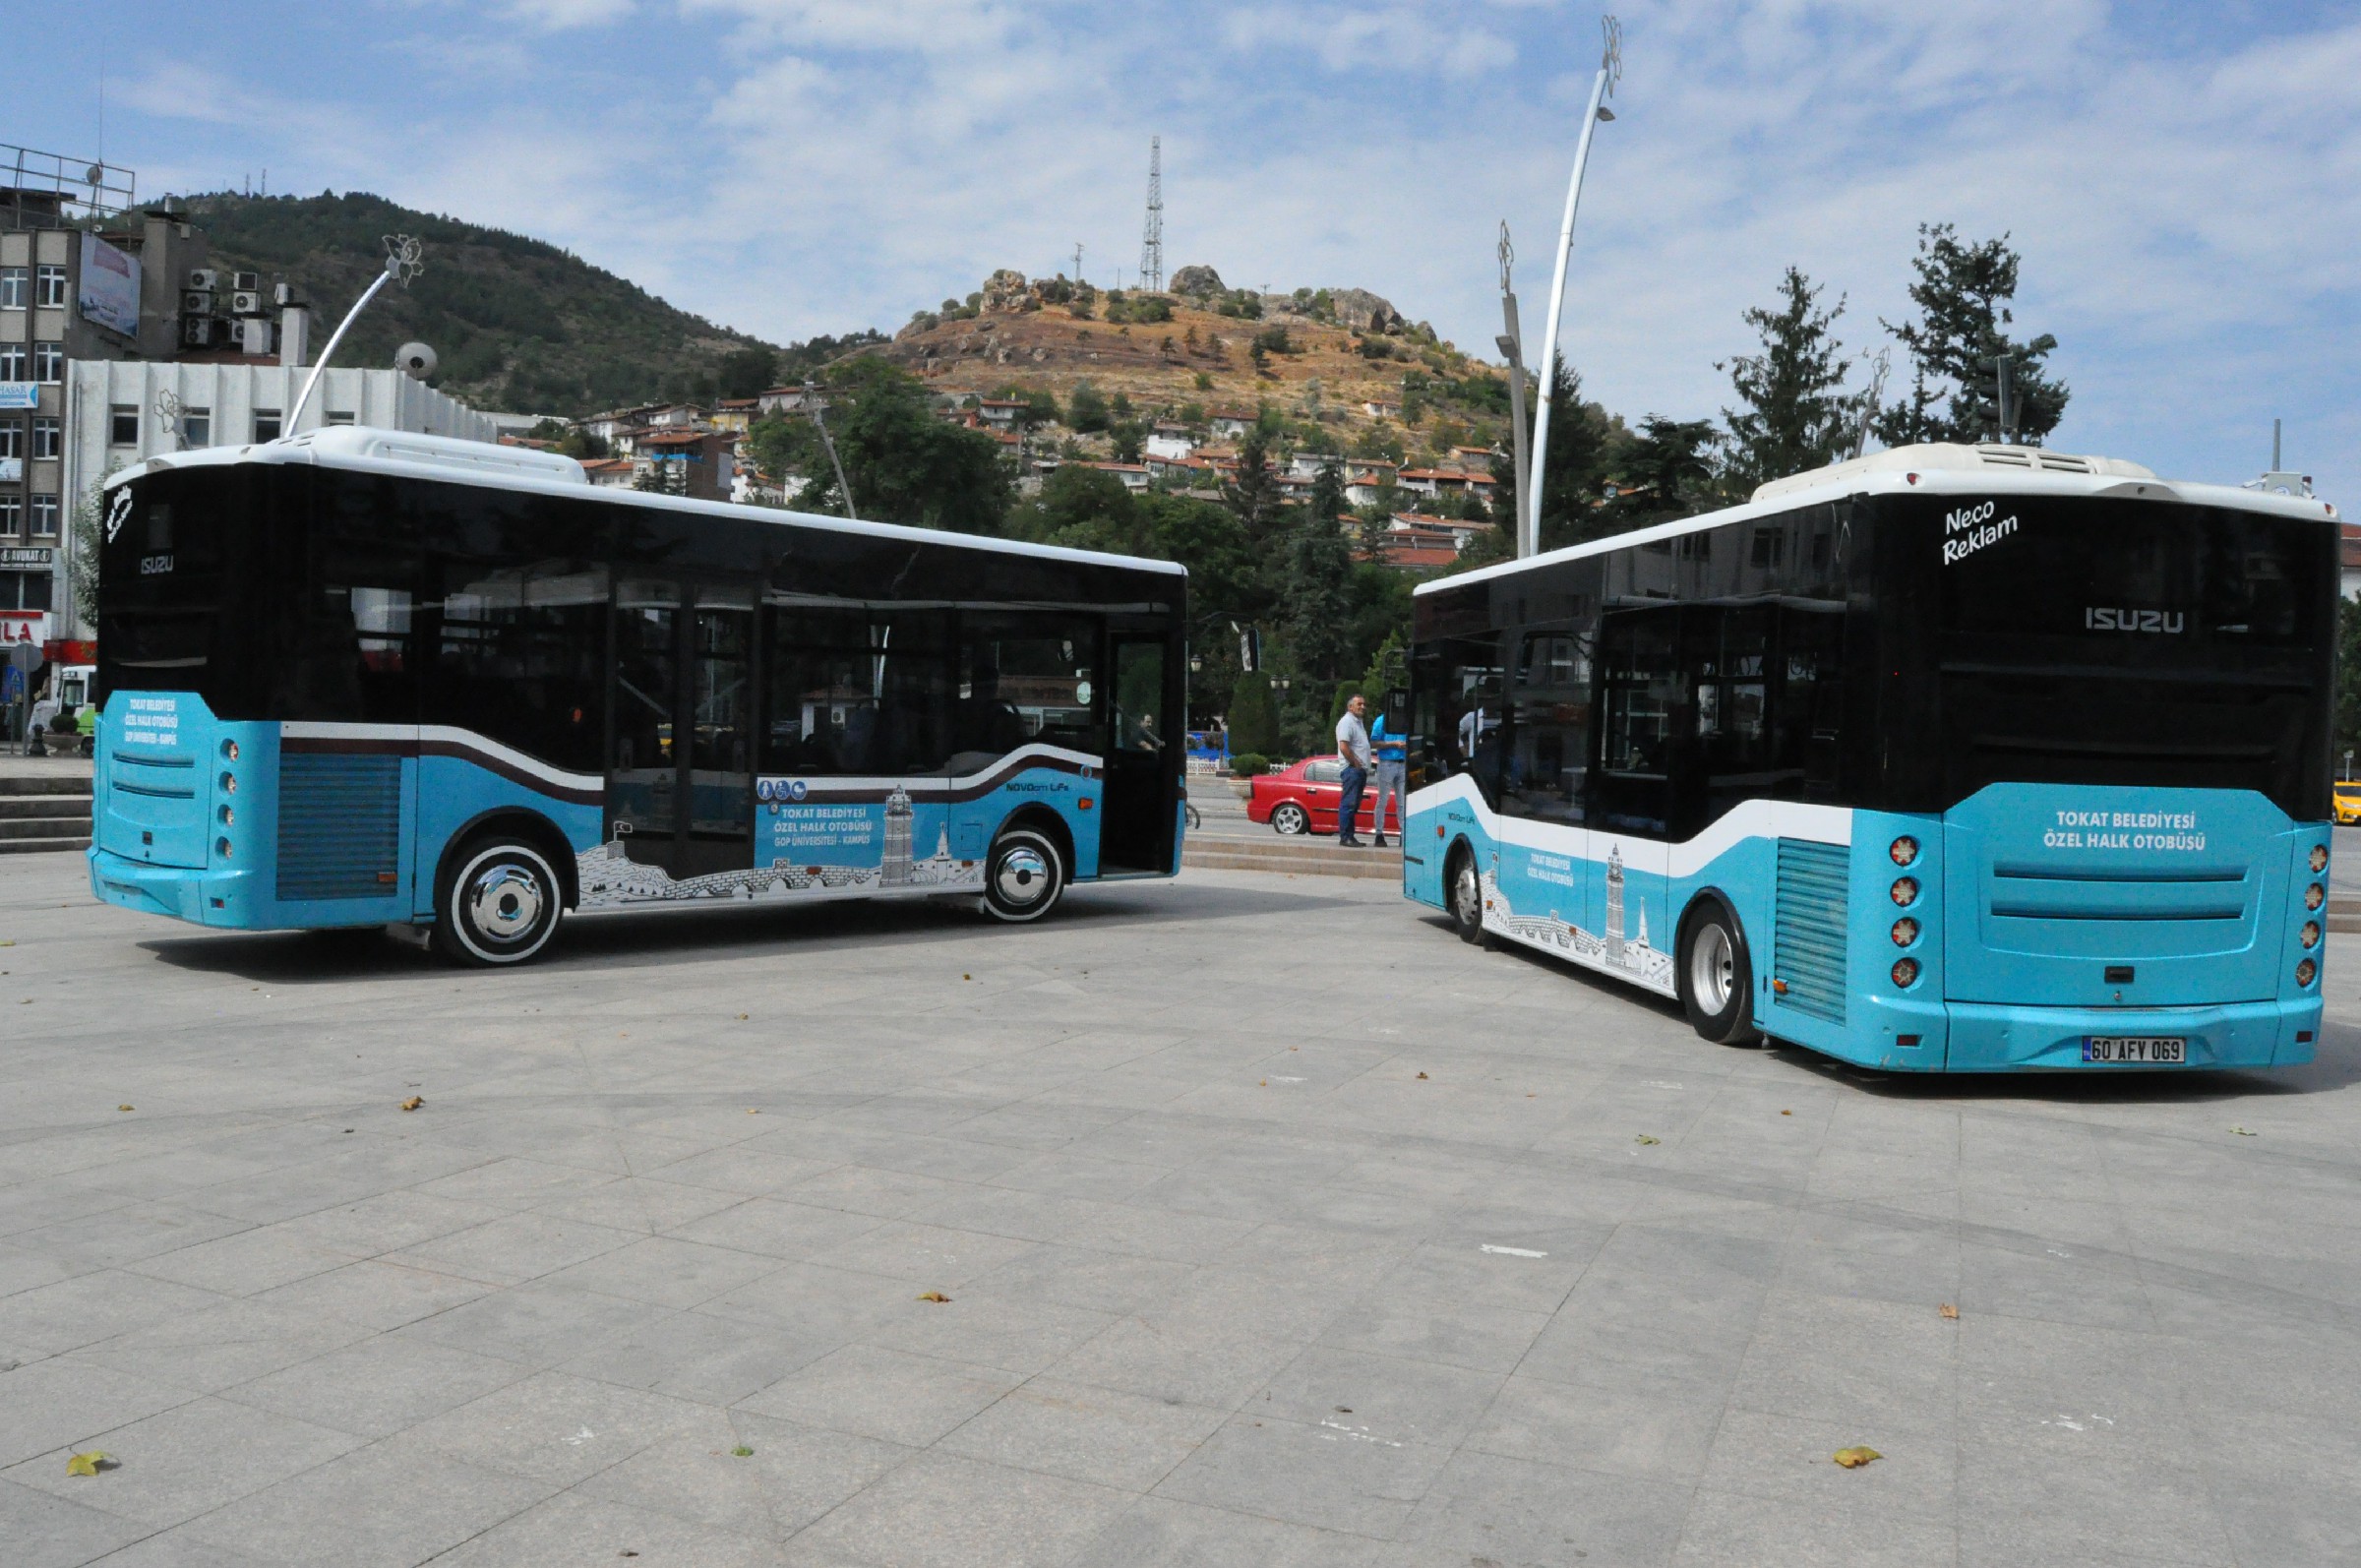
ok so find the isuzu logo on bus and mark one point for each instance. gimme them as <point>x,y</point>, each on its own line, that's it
<point>2168,623</point>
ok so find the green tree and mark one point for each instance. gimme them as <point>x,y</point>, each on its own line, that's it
<point>1964,294</point>
<point>1581,450</point>
<point>1254,495</point>
<point>746,372</point>
<point>1084,509</point>
<point>1793,411</point>
<point>1667,473</point>
<point>662,478</point>
<point>1131,437</point>
<point>1253,717</point>
<point>1086,411</point>
<point>1315,598</point>
<point>904,464</point>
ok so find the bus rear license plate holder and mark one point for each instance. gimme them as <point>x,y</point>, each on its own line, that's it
<point>2136,1051</point>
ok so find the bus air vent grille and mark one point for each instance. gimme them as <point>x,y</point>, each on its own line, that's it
<point>339,824</point>
<point>1808,932</point>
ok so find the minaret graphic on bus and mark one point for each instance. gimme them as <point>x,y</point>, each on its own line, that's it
<point>1615,907</point>
<point>895,871</point>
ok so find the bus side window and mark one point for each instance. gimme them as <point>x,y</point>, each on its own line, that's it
<point>1025,680</point>
<point>518,657</point>
<point>1640,699</point>
<point>1549,721</point>
<point>1809,712</point>
<point>1466,685</point>
<point>821,698</point>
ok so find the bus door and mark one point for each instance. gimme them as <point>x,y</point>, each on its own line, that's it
<point>680,779</point>
<point>1143,770</point>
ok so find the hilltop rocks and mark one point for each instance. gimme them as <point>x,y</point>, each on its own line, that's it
<point>1006,290</point>
<point>1357,309</point>
<point>1196,282</point>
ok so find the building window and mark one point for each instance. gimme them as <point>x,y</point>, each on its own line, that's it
<point>197,427</point>
<point>44,516</point>
<point>14,289</point>
<point>25,590</point>
<point>12,438</point>
<point>49,287</point>
<point>267,424</point>
<point>123,425</point>
<point>13,362</point>
<point>50,363</point>
<point>45,438</point>
<point>12,516</point>
<point>339,416</point>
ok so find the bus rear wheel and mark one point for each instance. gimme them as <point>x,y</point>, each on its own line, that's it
<point>1715,977</point>
<point>498,905</point>
<point>1024,876</point>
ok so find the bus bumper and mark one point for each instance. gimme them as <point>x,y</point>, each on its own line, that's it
<point>219,898</point>
<point>1991,1037</point>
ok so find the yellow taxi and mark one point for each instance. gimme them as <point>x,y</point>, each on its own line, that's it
<point>2346,802</point>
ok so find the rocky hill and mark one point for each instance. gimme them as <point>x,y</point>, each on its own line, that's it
<point>518,324</point>
<point>1344,359</point>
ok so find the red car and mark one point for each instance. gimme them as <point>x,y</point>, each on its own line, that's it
<point>1304,799</point>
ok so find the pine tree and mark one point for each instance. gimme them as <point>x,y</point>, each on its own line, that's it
<point>1316,597</point>
<point>1253,496</point>
<point>1254,720</point>
<point>1668,473</point>
<point>1571,483</point>
<point>1963,296</point>
<point>1796,414</point>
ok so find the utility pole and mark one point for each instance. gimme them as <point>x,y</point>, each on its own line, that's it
<point>819,420</point>
<point>1512,347</point>
<point>1077,264</point>
<point>1151,243</point>
<point>2275,469</point>
<point>1611,67</point>
<point>2000,373</point>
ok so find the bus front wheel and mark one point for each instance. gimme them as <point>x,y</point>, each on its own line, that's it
<point>1023,876</point>
<point>1467,898</point>
<point>500,904</point>
<point>1715,977</point>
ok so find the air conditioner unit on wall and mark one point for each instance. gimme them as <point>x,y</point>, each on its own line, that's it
<point>196,302</point>
<point>246,302</point>
<point>203,277</point>
<point>254,334</point>
<point>249,282</point>
<point>196,332</point>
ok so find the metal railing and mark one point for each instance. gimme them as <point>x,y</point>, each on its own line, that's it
<point>48,190</point>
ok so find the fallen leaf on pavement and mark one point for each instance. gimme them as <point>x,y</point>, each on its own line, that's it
<point>967,977</point>
<point>742,1452</point>
<point>1644,1138</point>
<point>1787,1113</point>
<point>89,1463</point>
<point>933,1296</point>
<point>752,1112</point>
<point>2242,1132</point>
<point>1951,1313</point>
<point>1855,1458</point>
<point>1264,1084</point>
<point>742,1017</point>
<point>1422,1075</point>
<point>412,1103</point>
<point>122,1108</point>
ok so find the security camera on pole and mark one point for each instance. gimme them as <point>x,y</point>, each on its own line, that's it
<point>1610,69</point>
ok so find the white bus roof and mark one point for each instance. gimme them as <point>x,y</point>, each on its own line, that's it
<point>1935,469</point>
<point>452,461</point>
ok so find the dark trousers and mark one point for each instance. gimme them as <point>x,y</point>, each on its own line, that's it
<point>1347,810</point>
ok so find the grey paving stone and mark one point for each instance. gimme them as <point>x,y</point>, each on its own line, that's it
<point>695,1355</point>
<point>664,1271</point>
<point>1333,1475</point>
<point>556,1426</point>
<point>514,1248</point>
<point>247,1263</point>
<point>1488,1507</point>
<point>794,1475</point>
<point>379,1386</point>
<point>1208,1364</point>
<point>376,1294</point>
<point>61,1402</point>
<point>574,1529</point>
<point>41,1531</point>
<point>223,1346</point>
<point>933,1257</point>
<point>1382,1397</point>
<point>187,1460</point>
<point>889,1395</point>
<point>1609,1418</point>
<point>176,1548</point>
<point>777,1228</point>
<point>1729,1530</point>
<point>537,1323</point>
<point>1100,1435</point>
<point>943,1511</point>
<point>100,1306</point>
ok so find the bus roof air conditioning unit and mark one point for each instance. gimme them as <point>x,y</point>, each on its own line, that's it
<point>246,302</point>
<point>251,282</point>
<point>203,277</point>
<point>196,302</point>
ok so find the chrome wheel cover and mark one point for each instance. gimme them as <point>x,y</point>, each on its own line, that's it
<point>1022,877</point>
<point>1468,895</point>
<point>1713,969</point>
<point>505,903</point>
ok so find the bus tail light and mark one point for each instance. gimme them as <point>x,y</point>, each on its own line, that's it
<point>230,818</point>
<point>2311,934</point>
<point>1904,850</point>
<point>2320,859</point>
<point>1906,972</point>
<point>229,783</point>
<point>2315,895</point>
<point>1906,932</point>
<point>1905,890</point>
<point>222,846</point>
<point>229,751</point>
<point>2306,971</point>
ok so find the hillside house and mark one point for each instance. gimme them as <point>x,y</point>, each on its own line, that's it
<point>606,426</point>
<point>1382,408</point>
<point>1170,439</point>
<point>786,400</point>
<point>1001,413</point>
<point>1366,490</point>
<point>1458,531</point>
<point>609,473</point>
<point>1184,470</point>
<point>1231,424</point>
<point>1134,475</point>
<point>737,414</point>
<point>699,462</point>
<point>1439,482</point>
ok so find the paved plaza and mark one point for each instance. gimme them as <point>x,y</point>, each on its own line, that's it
<point>1246,1220</point>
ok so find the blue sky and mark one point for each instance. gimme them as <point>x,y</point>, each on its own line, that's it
<point>2182,179</point>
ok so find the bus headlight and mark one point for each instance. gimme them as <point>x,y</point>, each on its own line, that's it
<point>2320,859</point>
<point>1904,850</point>
<point>1906,932</point>
<point>229,751</point>
<point>2306,971</point>
<point>1906,972</point>
<point>2315,895</point>
<point>2311,934</point>
<point>1905,890</point>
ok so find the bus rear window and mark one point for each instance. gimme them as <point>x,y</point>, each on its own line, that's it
<point>2132,575</point>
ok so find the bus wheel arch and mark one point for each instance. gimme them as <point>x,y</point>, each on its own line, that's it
<point>1028,866</point>
<point>1713,971</point>
<point>527,826</point>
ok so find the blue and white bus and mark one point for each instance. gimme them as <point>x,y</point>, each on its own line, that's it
<point>360,678</point>
<point>1963,759</point>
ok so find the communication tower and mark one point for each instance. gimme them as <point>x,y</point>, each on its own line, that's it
<point>1151,244</point>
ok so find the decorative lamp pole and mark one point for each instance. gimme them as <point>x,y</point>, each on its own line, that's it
<point>1610,70</point>
<point>402,264</point>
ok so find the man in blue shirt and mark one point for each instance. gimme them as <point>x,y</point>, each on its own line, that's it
<point>1392,753</point>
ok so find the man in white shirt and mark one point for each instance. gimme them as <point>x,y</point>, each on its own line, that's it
<point>1352,745</point>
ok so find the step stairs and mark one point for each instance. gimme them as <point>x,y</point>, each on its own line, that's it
<point>1294,857</point>
<point>44,812</point>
